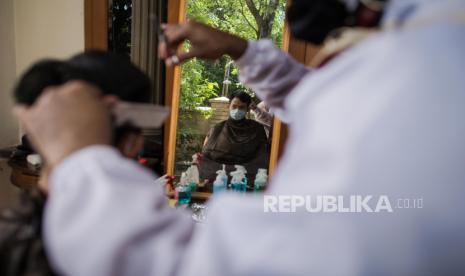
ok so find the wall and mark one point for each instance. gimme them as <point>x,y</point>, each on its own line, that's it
<point>29,31</point>
<point>8,124</point>
<point>47,29</point>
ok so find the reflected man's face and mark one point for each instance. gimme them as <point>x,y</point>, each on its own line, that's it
<point>236,103</point>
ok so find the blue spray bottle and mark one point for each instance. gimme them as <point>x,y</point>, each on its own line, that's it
<point>219,185</point>
<point>239,181</point>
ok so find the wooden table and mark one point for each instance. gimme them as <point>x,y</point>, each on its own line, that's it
<point>23,175</point>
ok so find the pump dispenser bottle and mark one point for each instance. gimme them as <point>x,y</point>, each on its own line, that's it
<point>239,181</point>
<point>219,185</point>
<point>192,174</point>
<point>260,180</point>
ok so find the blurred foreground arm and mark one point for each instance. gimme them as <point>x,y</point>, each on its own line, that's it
<point>107,216</point>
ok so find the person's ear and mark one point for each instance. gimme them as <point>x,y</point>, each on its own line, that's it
<point>131,145</point>
<point>110,100</point>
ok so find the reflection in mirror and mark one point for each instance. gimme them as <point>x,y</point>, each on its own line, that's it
<point>221,122</point>
<point>119,26</point>
<point>133,28</point>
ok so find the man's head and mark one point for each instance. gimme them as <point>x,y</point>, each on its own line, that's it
<point>114,75</point>
<point>111,73</point>
<point>313,20</point>
<point>239,104</point>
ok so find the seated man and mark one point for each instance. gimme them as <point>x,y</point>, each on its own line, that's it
<point>21,246</point>
<point>235,141</point>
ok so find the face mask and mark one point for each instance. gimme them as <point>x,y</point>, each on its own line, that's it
<point>313,20</point>
<point>237,114</point>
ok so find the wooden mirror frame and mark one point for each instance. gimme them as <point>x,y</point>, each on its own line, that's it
<point>96,24</point>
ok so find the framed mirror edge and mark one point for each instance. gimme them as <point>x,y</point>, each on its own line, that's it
<point>176,15</point>
<point>96,24</point>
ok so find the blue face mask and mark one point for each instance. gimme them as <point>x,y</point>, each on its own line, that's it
<point>237,114</point>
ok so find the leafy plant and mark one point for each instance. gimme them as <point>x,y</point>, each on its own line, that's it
<point>202,80</point>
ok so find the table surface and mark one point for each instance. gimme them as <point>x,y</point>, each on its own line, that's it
<point>23,166</point>
<point>18,172</point>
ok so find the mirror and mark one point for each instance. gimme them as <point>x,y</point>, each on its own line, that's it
<point>239,17</point>
<point>98,15</point>
<point>212,102</point>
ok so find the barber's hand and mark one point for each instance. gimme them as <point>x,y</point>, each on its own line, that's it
<point>206,42</point>
<point>65,119</point>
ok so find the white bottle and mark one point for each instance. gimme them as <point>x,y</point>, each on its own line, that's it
<point>183,180</point>
<point>260,180</point>
<point>192,174</point>
<point>183,191</point>
<point>240,168</point>
<point>239,181</point>
<point>219,185</point>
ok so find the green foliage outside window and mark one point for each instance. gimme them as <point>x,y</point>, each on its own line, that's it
<point>202,80</point>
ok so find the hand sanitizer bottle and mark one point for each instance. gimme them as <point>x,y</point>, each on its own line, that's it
<point>183,191</point>
<point>192,174</point>
<point>243,171</point>
<point>218,185</point>
<point>239,181</point>
<point>260,180</point>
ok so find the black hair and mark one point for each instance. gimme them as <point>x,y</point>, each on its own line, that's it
<point>111,73</point>
<point>41,75</point>
<point>242,96</point>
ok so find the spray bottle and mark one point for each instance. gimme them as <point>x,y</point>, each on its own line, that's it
<point>260,180</point>
<point>219,185</point>
<point>183,191</point>
<point>192,174</point>
<point>239,181</point>
<point>244,172</point>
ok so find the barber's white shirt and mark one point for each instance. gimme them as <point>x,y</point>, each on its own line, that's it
<point>386,118</point>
